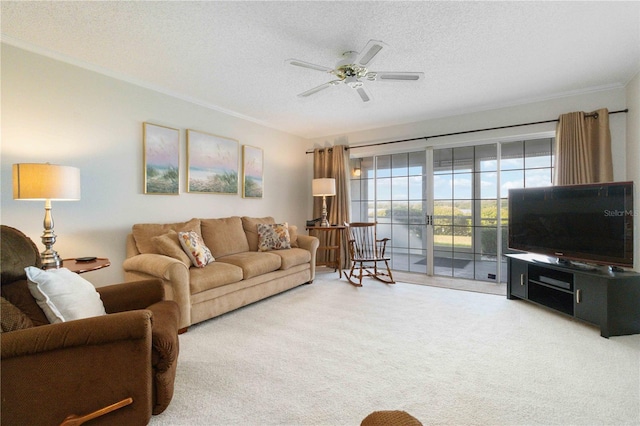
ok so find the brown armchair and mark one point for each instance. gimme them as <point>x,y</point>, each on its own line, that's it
<point>82,367</point>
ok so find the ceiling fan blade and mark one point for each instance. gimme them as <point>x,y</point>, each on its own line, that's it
<point>363,93</point>
<point>394,76</point>
<point>303,64</point>
<point>366,56</point>
<point>320,88</point>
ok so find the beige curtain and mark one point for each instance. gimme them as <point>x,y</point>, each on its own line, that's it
<point>332,163</point>
<point>583,148</point>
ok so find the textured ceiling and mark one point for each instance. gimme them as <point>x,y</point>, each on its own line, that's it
<point>231,55</point>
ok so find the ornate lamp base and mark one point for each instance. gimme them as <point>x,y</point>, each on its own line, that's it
<point>50,258</point>
<point>324,221</point>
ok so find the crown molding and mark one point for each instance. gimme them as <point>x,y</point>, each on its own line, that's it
<point>632,78</point>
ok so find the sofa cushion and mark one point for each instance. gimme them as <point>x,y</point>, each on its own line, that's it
<point>214,275</point>
<point>224,236</point>
<point>169,245</point>
<point>293,235</point>
<point>63,295</point>
<point>253,263</point>
<point>273,237</point>
<point>195,248</point>
<point>293,257</point>
<point>12,317</point>
<point>250,226</point>
<point>144,232</point>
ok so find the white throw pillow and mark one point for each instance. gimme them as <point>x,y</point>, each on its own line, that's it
<point>63,295</point>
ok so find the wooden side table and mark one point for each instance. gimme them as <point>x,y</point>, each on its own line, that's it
<point>81,267</point>
<point>338,230</point>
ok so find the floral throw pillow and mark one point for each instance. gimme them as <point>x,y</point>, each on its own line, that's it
<point>273,237</point>
<point>193,245</point>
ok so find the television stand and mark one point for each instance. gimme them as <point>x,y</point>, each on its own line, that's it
<point>605,298</point>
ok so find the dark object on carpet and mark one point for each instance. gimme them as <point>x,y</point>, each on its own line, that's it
<point>390,418</point>
<point>446,262</point>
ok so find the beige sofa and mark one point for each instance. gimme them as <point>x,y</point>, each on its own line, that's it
<point>240,274</point>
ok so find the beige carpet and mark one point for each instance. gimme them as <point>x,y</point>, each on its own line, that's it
<point>329,354</point>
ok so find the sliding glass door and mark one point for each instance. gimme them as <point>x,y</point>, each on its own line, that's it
<point>465,212</point>
<point>391,189</point>
<point>445,210</point>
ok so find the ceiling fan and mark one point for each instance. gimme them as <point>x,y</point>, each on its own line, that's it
<point>353,71</point>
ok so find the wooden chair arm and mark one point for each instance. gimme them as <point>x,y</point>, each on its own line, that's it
<point>75,420</point>
<point>382,245</point>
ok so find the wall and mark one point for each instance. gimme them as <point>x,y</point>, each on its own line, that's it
<point>63,114</point>
<point>626,151</point>
<point>633,155</point>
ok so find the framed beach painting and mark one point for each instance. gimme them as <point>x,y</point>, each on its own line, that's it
<point>212,163</point>
<point>161,159</point>
<point>252,172</point>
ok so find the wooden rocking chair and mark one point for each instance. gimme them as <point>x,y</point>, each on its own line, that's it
<point>365,252</point>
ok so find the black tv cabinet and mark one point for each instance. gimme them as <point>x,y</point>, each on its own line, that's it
<point>609,300</point>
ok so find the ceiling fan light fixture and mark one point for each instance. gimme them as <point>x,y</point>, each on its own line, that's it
<point>348,59</point>
<point>350,70</point>
<point>353,82</point>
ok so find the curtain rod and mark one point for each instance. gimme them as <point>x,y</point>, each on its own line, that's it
<point>594,115</point>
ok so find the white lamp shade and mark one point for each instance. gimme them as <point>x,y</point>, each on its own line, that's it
<point>32,181</point>
<point>323,186</point>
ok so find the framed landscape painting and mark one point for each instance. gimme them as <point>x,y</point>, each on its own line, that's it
<point>252,172</point>
<point>213,163</point>
<point>161,159</point>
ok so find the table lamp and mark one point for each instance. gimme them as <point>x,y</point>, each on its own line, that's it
<point>322,188</point>
<point>46,182</point>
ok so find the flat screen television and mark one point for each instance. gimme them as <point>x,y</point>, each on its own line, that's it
<point>587,223</point>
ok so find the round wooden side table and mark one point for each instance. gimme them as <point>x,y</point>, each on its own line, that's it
<point>80,267</point>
